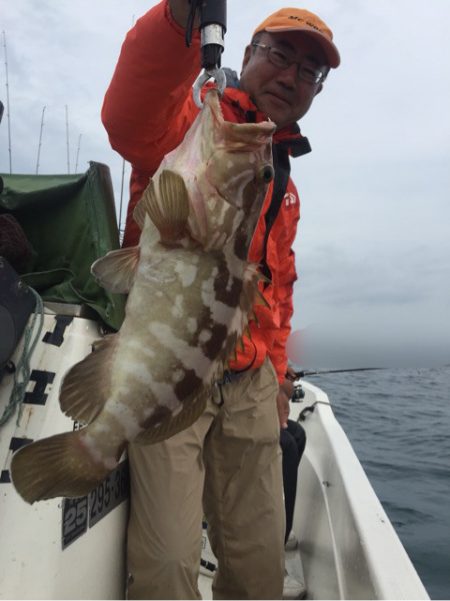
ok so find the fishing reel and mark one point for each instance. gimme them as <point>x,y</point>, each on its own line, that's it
<point>298,393</point>
<point>213,25</point>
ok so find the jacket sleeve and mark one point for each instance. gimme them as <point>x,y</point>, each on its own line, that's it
<point>148,106</point>
<point>285,277</point>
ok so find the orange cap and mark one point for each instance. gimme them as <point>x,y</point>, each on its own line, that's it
<point>299,19</point>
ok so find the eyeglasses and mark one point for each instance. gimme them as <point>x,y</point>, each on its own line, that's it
<point>306,71</point>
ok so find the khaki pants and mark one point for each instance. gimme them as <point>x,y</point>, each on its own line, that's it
<point>229,462</point>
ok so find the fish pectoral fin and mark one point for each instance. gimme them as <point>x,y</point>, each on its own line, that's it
<point>254,317</point>
<point>169,210</point>
<point>58,466</point>
<point>86,386</point>
<point>251,295</point>
<point>139,212</point>
<point>170,425</point>
<point>261,300</point>
<point>116,270</point>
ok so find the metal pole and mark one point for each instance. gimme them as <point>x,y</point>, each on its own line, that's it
<point>8,111</point>
<point>123,172</point>
<point>40,141</point>
<point>67,138</point>
<point>121,197</point>
<point>78,152</point>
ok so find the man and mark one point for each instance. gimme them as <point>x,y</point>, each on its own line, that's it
<point>292,442</point>
<point>229,460</point>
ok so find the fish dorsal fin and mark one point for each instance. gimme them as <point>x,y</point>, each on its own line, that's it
<point>86,386</point>
<point>163,424</point>
<point>169,210</point>
<point>116,270</point>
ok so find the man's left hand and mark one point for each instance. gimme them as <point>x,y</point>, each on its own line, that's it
<point>283,406</point>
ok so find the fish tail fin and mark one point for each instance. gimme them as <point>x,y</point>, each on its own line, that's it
<point>58,466</point>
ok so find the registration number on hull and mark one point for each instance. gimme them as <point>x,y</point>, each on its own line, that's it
<point>84,512</point>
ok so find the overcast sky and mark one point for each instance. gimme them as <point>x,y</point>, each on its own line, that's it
<point>373,246</point>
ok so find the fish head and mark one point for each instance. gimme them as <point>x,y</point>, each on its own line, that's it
<point>235,154</point>
<point>234,170</point>
<point>227,168</point>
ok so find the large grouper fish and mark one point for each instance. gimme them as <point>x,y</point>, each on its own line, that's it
<point>190,292</point>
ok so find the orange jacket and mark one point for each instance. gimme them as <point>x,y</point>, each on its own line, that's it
<point>147,110</point>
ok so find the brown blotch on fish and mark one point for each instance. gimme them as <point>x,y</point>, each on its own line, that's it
<point>156,418</point>
<point>212,346</point>
<point>189,384</point>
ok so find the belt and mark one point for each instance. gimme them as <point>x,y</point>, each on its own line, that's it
<point>231,375</point>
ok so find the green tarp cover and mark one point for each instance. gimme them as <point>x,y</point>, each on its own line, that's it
<point>70,221</point>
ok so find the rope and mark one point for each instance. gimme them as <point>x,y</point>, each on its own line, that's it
<point>23,371</point>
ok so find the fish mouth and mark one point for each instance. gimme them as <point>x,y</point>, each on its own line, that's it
<point>239,136</point>
<point>231,138</point>
<point>212,101</point>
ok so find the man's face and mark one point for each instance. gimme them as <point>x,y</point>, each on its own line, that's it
<point>278,93</point>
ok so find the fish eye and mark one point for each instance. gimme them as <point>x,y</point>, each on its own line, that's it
<point>267,174</point>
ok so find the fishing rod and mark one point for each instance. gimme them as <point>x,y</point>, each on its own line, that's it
<point>302,374</point>
<point>299,393</point>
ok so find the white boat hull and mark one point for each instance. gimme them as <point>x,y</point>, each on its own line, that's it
<point>58,549</point>
<point>348,546</point>
<point>62,549</point>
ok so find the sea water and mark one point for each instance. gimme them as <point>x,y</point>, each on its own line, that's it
<point>398,421</point>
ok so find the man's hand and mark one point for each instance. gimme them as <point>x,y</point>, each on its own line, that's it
<point>284,395</point>
<point>288,386</point>
<point>283,405</point>
<point>180,10</point>
<point>291,374</point>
